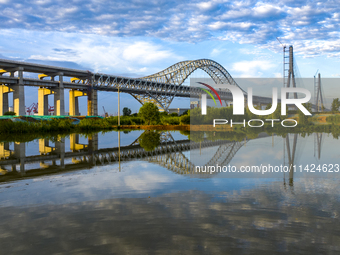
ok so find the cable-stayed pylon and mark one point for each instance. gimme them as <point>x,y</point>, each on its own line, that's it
<point>288,69</point>
<point>318,94</point>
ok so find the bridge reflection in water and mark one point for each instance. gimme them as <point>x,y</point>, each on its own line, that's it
<point>167,152</point>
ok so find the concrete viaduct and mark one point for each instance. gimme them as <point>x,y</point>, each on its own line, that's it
<point>160,88</point>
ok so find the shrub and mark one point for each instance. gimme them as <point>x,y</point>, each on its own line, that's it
<point>185,119</point>
<point>10,113</point>
<point>170,120</point>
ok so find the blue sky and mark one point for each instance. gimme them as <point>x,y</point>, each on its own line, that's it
<point>137,38</point>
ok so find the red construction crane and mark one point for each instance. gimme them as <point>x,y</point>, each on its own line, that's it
<point>50,108</point>
<point>32,108</point>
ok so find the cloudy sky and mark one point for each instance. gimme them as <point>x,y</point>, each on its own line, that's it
<point>137,38</point>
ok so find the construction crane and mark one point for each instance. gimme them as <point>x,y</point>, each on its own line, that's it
<point>105,113</point>
<point>32,108</point>
<point>50,109</point>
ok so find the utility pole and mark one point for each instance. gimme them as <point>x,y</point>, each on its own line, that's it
<point>118,108</point>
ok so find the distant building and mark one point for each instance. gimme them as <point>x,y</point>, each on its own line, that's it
<point>179,111</point>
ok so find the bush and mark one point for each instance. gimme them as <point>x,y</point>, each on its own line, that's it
<point>136,120</point>
<point>10,113</point>
<point>170,120</point>
<point>185,119</point>
<point>187,112</point>
<point>163,114</point>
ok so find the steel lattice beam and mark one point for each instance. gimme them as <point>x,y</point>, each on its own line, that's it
<point>179,72</point>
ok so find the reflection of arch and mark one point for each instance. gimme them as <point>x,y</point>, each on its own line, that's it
<point>225,154</point>
<point>178,73</point>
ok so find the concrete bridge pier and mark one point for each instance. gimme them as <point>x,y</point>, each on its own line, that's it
<point>59,97</point>
<point>74,103</point>
<point>19,94</point>
<point>92,102</point>
<point>4,107</point>
<point>43,100</point>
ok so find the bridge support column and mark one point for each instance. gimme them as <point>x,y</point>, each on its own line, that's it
<point>59,98</point>
<point>19,95</point>
<point>74,104</point>
<point>92,102</point>
<point>43,100</point>
<point>4,90</point>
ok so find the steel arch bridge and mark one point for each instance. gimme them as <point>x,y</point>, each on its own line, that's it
<point>178,73</point>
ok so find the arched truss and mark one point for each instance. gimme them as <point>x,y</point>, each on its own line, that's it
<point>178,73</point>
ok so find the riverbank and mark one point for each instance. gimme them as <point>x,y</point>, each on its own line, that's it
<point>26,126</point>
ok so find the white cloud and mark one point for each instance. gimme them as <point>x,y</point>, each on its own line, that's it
<point>252,68</point>
<point>216,52</point>
<point>265,10</point>
<point>205,5</point>
<point>278,75</point>
<point>217,25</point>
<point>103,53</point>
<point>251,22</point>
<point>144,52</point>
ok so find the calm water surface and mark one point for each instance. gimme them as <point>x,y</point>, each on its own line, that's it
<point>88,195</point>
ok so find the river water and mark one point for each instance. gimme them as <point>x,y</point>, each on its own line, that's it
<point>141,193</point>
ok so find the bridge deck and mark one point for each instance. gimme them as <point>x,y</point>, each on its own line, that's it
<point>104,82</point>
